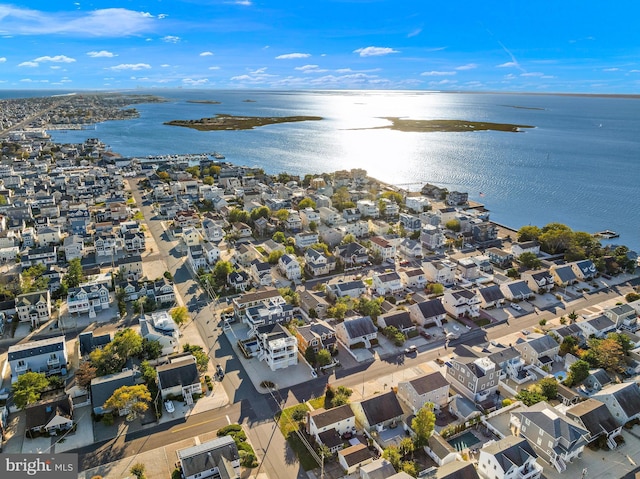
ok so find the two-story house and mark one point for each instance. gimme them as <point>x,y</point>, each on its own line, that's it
<point>383,247</point>
<point>563,275</point>
<point>305,239</point>
<point>216,458</point>
<point>413,278</point>
<point>599,326</point>
<point>517,290</point>
<point>429,388</point>
<point>180,377</point>
<point>401,320</point>
<point>317,263</point>
<point>276,346</point>
<point>34,308</point>
<point>353,332</point>
<point>351,254</point>
<point>594,416</point>
<point>491,296</point>
<point>378,412</point>
<point>289,266</point>
<point>584,270</point>
<point>509,458</point>
<point>624,316</point>
<point>410,248</point>
<point>539,349</point>
<point>73,246</point>
<point>474,377</point>
<point>48,356</point>
<point>387,283</point>
<point>461,302</point>
<point>260,272</point>
<point>317,335</point>
<point>328,426</point>
<point>432,237</point>
<point>539,281</point>
<point>88,298</point>
<point>131,267</point>
<point>518,249</point>
<point>500,258</point>
<point>428,313</point>
<point>622,400</point>
<point>353,289</point>
<point>443,272</point>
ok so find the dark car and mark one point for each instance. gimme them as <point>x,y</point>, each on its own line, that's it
<point>425,335</point>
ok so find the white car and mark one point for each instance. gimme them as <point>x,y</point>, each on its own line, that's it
<point>517,307</point>
<point>456,327</point>
<point>168,405</point>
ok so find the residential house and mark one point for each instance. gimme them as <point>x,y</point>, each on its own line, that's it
<point>539,349</point>
<point>46,255</point>
<point>131,267</point>
<point>383,247</point>
<point>330,216</point>
<point>49,235</point>
<point>624,316</point>
<point>217,458</point>
<point>353,332</point>
<point>500,258</point>
<point>563,275</point>
<point>351,254</point>
<point>263,297</point>
<point>163,291</point>
<point>273,311</point>
<point>381,469</point>
<point>328,426</point>
<point>474,377</point>
<point>293,222</point>
<point>309,215</point>
<point>378,412</point>
<point>584,270</point>
<point>485,233</point>
<point>353,457</point>
<point>245,254</point>
<point>289,266</point>
<point>518,249</point>
<point>108,244</point>
<point>185,218</point>
<point>594,416</point>
<point>317,264</point>
<point>509,362</point>
<point>429,388</point>
<point>491,296</point>
<point>443,272</point>
<point>417,204</point>
<point>157,327</point>
<point>410,223</point>
<point>34,308</point>
<point>103,387</point>
<point>509,458</point>
<point>570,330</point>
<point>351,215</point>
<point>179,378</point>
<point>191,236</point>
<point>517,290</point>
<point>239,280</point>
<point>368,208</point>
<point>456,198</point>
<point>597,379</point>
<point>468,269</point>
<point>353,289</point>
<point>401,320</point>
<point>48,356</point>
<point>413,278</point>
<point>196,257</point>
<point>599,326</point>
<point>73,247</point>
<point>428,313</point>
<point>314,302</point>
<point>387,283</point>
<point>440,450</point>
<point>317,335</point>
<point>49,416</point>
<point>411,248</point>
<point>88,298</point>
<point>305,239</point>
<point>212,231</point>
<point>332,236</point>
<point>276,346</point>
<point>552,435</point>
<point>461,302</point>
<point>622,400</point>
<point>539,281</point>
<point>260,272</point>
<point>134,242</point>
<point>432,237</point>
<point>88,343</point>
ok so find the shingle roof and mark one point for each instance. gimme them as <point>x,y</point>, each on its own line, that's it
<point>431,308</point>
<point>553,422</point>
<point>511,451</point>
<point>103,387</point>
<point>208,455</point>
<point>428,382</point>
<point>356,454</point>
<point>323,417</point>
<point>566,274</point>
<point>36,348</point>
<point>358,327</point>
<point>440,446</point>
<point>626,394</point>
<point>40,413</point>
<point>594,415</point>
<point>180,373</point>
<point>398,319</point>
<point>491,293</point>
<point>457,470</point>
<point>381,408</point>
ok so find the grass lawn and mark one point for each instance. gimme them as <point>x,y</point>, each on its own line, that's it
<point>317,403</point>
<point>288,425</point>
<point>481,322</point>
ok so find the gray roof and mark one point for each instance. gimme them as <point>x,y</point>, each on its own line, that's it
<point>358,327</point>
<point>40,413</point>
<point>208,455</point>
<point>36,348</point>
<point>356,454</point>
<point>428,382</point>
<point>323,417</point>
<point>180,373</point>
<point>381,408</point>
<point>600,375</point>
<point>387,277</point>
<point>594,415</point>
<point>543,343</point>
<point>431,308</point>
<point>501,355</point>
<point>398,319</point>
<point>491,293</point>
<point>553,422</point>
<point>626,394</point>
<point>519,288</point>
<point>378,469</point>
<point>566,274</point>
<point>103,387</point>
<point>457,470</point>
<point>88,342</point>
<point>349,285</point>
<point>601,323</point>
<point>511,451</point>
<point>440,447</point>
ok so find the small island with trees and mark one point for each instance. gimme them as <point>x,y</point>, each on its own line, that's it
<point>222,121</point>
<point>427,126</point>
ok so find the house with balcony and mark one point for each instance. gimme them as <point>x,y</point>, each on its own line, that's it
<point>387,283</point>
<point>556,438</point>
<point>48,356</point>
<point>293,222</point>
<point>353,289</point>
<point>461,302</point>
<point>476,378</point>
<point>584,270</point>
<point>180,377</point>
<point>212,231</point>
<point>46,255</point>
<point>432,237</point>
<point>357,331</point>
<point>410,223</point>
<point>88,298</point>
<point>317,335</point>
<point>485,233</point>
<point>500,258</point>
<point>328,426</point>
<point>351,215</point>
<point>160,326</point>
<point>538,349</point>
<point>429,388</point>
<point>314,302</point>
<point>308,216</point>
<point>49,235</point>
<point>594,416</point>
<point>428,313</point>
<point>134,242</point>
<point>351,254</point>
<point>443,272</point>
<point>410,248</point>
<point>289,266</point>
<point>73,246</point>
<point>539,281</point>
<point>468,269</point>
<point>34,308</point>
<point>276,346</point>
<point>413,278</point>
<point>517,249</point>
<point>263,297</point>
<point>368,208</point>
<point>196,257</point>
<point>317,263</point>
<point>598,327</point>
<point>330,216</point>
<point>383,247</point>
<point>517,290</point>
<point>509,458</point>
<point>131,267</point>
<point>239,280</point>
<point>354,457</point>
<point>260,272</point>
<point>624,316</point>
<point>305,239</point>
<point>622,400</point>
<point>510,364</point>
<point>108,244</point>
<point>217,458</point>
<point>269,312</point>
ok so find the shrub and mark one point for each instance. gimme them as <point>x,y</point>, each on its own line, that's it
<point>107,419</point>
<point>542,322</point>
<point>228,429</point>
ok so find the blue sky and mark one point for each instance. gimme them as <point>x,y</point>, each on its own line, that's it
<point>539,46</point>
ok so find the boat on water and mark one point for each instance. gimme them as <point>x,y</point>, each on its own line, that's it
<point>218,156</point>
<point>606,234</point>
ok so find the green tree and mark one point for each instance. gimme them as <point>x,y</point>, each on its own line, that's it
<point>32,279</point>
<point>260,212</point>
<point>75,275</point>
<point>578,372</point>
<point>631,297</point>
<point>138,470</point>
<point>348,238</point>
<point>453,225</point>
<point>436,289</point>
<point>275,256</point>
<point>278,237</point>
<point>180,315</point>
<point>310,356</point>
<point>338,311</point>
<point>423,424</point>
<point>313,226</point>
<point>548,388</point>
<point>208,180</point>
<point>410,468</point>
<point>106,361</point>
<point>127,343</point>
<point>393,196</point>
<point>529,260</point>
<point>555,238</point>
<point>609,353</point>
<point>282,214</point>
<point>529,233</point>
<point>529,398</point>
<point>221,270</point>
<point>202,360</point>
<point>28,388</point>
<point>623,340</point>
<point>569,345</point>
<point>134,399</point>
<point>392,455</point>
<point>306,203</point>
<point>151,348</point>
<point>406,446</point>
<point>148,373</point>
<point>323,357</point>
<point>369,307</point>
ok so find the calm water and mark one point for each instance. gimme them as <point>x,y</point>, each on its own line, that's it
<point>580,165</point>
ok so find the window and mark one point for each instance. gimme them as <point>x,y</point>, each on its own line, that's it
<point>491,376</point>
<point>550,444</point>
<point>527,422</point>
<point>483,386</point>
<point>539,441</point>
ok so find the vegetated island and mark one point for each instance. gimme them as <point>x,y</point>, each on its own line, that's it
<point>524,107</point>
<point>425,126</point>
<point>223,121</point>
<point>208,102</point>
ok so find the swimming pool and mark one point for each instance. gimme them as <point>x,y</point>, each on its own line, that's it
<point>463,441</point>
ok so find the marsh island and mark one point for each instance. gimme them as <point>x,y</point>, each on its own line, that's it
<point>418,126</point>
<point>206,102</point>
<point>229,122</point>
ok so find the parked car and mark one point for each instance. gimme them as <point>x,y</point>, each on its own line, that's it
<point>526,331</point>
<point>425,335</point>
<point>411,349</point>
<point>517,307</point>
<point>456,327</point>
<point>168,405</point>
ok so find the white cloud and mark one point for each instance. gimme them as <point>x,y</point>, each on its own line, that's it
<point>130,66</point>
<point>4,59</point>
<point>611,70</point>
<point>374,51</point>
<point>206,54</point>
<point>436,73</point>
<point>56,59</point>
<point>106,22</point>
<point>165,65</point>
<point>246,3</point>
<point>508,65</point>
<point>146,14</point>
<point>242,77</point>
<point>443,82</point>
<point>510,76</point>
<point>214,68</point>
<point>311,69</point>
<point>532,74</point>
<point>195,82</point>
<point>162,15</point>
<point>634,71</point>
<point>28,64</point>
<point>101,54</point>
<point>171,39</point>
<point>289,56</point>
<point>468,66</point>
<point>55,67</point>
<point>414,33</point>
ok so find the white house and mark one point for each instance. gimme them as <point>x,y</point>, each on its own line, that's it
<point>355,331</point>
<point>47,356</point>
<point>509,458</point>
<point>462,302</point>
<point>387,283</point>
<point>215,458</point>
<point>443,272</point>
<point>289,266</point>
<point>277,346</point>
<point>429,388</point>
<point>88,298</point>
